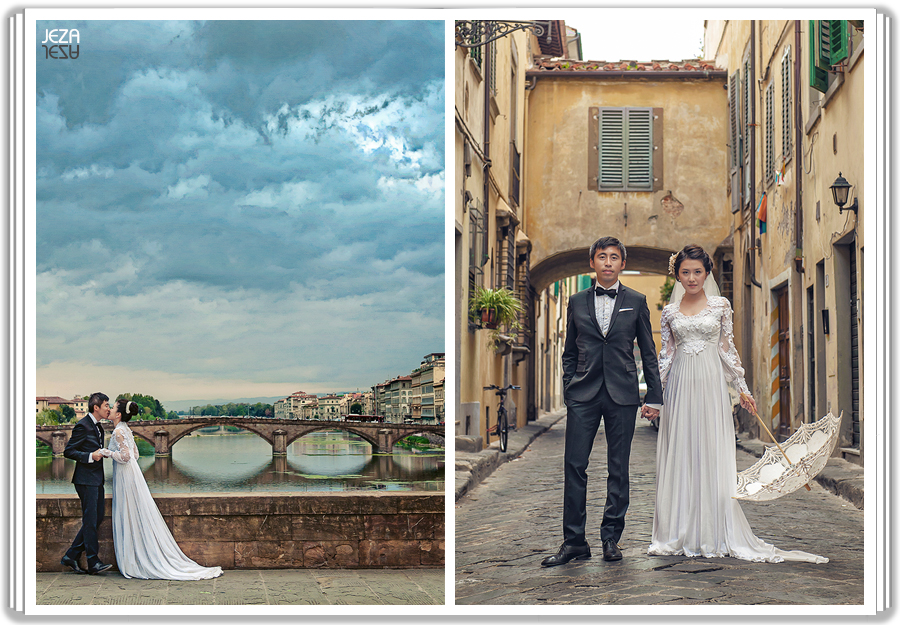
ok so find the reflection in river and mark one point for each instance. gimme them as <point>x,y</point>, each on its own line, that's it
<point>320,461</point>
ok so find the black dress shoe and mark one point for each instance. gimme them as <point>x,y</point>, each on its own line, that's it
<point>98,567</point>
<point>611,550</point>
<point>567,553</point>
<point>73,564</point>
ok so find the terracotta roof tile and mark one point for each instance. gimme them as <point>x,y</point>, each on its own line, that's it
<point>566,65</point>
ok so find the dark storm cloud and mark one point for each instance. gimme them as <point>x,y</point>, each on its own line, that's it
<point>232,163</point>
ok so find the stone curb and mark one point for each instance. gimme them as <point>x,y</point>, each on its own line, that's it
<point>841,477</point>
<point>472,468</point>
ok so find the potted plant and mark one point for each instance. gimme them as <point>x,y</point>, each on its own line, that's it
<point>496,308</point>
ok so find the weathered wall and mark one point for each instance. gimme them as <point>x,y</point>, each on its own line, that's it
<point>296,530</point>
<point>564,214</point>
<point>831,125</point>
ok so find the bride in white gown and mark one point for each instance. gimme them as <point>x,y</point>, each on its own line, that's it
<point>696,472</point>
<point>144,546</point>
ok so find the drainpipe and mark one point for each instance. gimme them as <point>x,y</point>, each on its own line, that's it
<point>798,143</point>
<point>752,132</point>
<point>486,61</point>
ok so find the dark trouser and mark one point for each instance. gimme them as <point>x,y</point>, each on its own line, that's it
<point>93,502</point>
<point>583,420</point>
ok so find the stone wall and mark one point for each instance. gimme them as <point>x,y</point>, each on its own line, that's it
<point>294,530</point>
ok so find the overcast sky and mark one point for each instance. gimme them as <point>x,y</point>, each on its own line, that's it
<point>235,209</point>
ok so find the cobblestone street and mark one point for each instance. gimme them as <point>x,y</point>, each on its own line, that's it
<point>507,524</point>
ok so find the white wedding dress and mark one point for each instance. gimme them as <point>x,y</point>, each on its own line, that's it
<point>144,545</point>
<point>696,471</point>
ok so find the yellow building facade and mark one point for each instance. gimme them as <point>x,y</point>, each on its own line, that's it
<point>796,121</point>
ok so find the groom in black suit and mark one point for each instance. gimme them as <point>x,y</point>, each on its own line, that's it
<point>84,448</point>
<point>600,381</point>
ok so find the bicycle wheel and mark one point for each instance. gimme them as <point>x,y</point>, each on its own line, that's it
<point>502,429</point>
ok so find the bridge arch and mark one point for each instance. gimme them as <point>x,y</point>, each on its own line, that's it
<point>369,438</point>
<point>277,432</point>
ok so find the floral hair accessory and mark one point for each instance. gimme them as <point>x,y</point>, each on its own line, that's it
<point>672,263</point>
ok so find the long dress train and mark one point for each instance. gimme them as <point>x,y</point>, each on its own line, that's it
<point>696,472</point>
<point>143,543</point>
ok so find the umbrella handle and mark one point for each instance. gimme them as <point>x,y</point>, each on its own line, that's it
<point>775,440</point>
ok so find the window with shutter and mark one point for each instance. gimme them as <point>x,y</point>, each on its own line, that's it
<point>625,147</point>
<point>746,129</point>
<point>770,133</point>
<point>828,46</point>
<point>734,114</point>
<point>786,144</point>
<point>492,52</point>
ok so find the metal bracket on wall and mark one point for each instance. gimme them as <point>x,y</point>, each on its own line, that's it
<point>477,33</point>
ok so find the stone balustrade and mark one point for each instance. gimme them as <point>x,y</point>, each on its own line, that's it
<point>293,530</point>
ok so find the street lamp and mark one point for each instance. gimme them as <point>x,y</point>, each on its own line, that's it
<point>841,192</point>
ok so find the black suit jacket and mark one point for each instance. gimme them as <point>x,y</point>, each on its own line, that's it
<point>590,359</point>
<point>85,440</point>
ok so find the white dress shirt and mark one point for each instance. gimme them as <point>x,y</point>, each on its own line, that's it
<point>603,307</point>
<point>91,415</point>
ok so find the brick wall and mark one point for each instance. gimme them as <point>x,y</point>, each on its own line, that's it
<point>294,530</point>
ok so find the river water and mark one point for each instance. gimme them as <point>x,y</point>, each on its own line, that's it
<point>243,462</point>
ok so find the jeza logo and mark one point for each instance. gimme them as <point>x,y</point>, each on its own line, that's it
<point>61,40</point>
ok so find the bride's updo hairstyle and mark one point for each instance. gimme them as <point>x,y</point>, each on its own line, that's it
<point>127,409</point>
<point>693,252</point>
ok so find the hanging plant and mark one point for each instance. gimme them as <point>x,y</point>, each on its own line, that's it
<point>496,308</point>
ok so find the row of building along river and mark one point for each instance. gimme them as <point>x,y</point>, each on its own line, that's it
<point>240,461</point>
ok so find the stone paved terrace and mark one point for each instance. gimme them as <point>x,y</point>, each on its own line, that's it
<point>249,587</point>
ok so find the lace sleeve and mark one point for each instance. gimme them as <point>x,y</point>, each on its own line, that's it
<point>731,361</point>
<point>668,346</point>
<point>123,452</point>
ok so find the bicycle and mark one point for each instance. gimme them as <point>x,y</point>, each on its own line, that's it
<point>502,427</point>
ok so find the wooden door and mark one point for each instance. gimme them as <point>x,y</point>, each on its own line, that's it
<point>784,364</point>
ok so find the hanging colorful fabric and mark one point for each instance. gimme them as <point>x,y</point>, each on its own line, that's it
<point>761,213</point>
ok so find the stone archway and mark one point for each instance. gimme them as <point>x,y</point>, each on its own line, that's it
<point>572,262</point>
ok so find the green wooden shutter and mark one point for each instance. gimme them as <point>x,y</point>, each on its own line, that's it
<point>818,77</point>
<point>626,149</point>
<point>823,44</point>
<point>770,132</point>
<point>838,42</point>
<point>786,105</point>
<point>640,148</point>
<point>584,282</point>
<point>612,148</point>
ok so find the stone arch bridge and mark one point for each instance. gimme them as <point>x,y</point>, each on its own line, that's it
<point>279,433</point>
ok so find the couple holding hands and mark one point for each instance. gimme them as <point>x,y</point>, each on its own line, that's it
<point>687,387</point>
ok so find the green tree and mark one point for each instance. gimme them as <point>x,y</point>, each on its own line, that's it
<point>665,292</point>
<point>48,417</point>
<point>68,413</point>
<point>356,408</point>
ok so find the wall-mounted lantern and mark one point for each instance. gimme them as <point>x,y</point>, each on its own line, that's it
<point>841,192</point>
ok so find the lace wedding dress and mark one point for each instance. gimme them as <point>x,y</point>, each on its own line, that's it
<point>696,471</point>
<point>144,545</point>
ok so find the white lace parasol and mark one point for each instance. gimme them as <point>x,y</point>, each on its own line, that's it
<point>807,451</point>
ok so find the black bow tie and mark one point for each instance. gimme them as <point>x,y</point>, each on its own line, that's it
<point>608,292</point>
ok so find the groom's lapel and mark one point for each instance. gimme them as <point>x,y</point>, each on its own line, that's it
<point>592,310</point>
<point>619,297</point>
